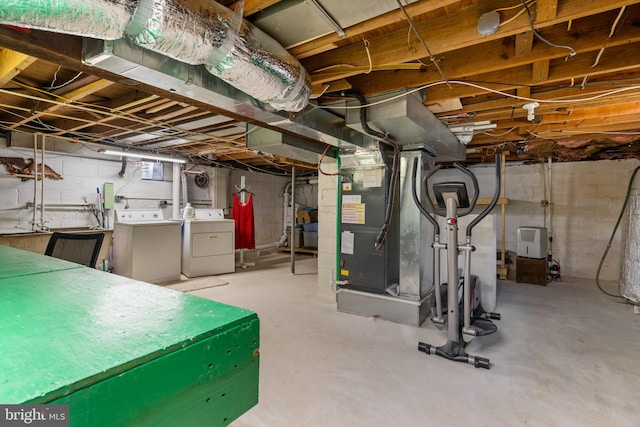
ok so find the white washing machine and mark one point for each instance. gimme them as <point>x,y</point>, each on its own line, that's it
<point>146,246</point>
<point>208,244</point>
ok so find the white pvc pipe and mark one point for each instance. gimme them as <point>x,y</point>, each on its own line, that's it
<point>35,181</point>
<point>175,195</point>
<point>285,204</point>
<point>42,176</point>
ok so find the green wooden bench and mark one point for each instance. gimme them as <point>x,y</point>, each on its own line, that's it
<point>121,352</point>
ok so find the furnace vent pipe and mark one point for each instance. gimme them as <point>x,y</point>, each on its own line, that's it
<point>185,188</point>
<point>231,48</point>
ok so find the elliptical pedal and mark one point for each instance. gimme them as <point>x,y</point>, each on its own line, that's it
<point>483,327</point>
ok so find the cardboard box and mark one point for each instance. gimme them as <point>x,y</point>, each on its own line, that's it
<point>310,239</point>
<point>306,217</point>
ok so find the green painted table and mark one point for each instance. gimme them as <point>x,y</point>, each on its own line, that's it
<point>122,352</point>
<point>16,262</point>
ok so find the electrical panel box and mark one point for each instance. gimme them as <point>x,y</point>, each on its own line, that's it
<point>532,242</point>
<point>365,191</point>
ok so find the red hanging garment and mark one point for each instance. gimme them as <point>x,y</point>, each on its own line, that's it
<point>243,215</point>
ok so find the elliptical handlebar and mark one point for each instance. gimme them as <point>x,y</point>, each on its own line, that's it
<point>496,196</point>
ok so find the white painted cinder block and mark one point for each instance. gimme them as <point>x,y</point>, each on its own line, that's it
<point>586,198</point>
<point>77,167</point>
<point>327,214</point>
<point>9,197</point>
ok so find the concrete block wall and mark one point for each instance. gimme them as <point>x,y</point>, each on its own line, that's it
<point>81,178</point>
<point>83,172</point>
<point>216,194</point>
<point>586,198</point>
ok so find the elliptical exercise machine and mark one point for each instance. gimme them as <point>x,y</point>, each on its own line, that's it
<point>472,321</point>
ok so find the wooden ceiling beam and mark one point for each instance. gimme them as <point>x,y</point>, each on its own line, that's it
<point>332,41</point>
<point>238,156</point>
<point>254,6</point>
<point>497,56</point>
<point>618,105</point>
<point>524,44</point>
<point>624,124</point>
<point>453,31</point>
<point>540,72</point>
<point>599,85</point>
<point>334,86</point>
<point>124,105</point>
<point>618,59</point>
<point>12,63</point>
<point>69,97</point>
<point>546,10</point>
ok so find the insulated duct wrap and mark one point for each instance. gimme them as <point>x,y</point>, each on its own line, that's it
<point>168,28</point>
<point>100,19</point>
<point>253,62</point>
<point>230,47</point>
<point>630,275</point>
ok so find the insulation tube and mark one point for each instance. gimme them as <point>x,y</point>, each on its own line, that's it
<point>231,48</point>
<point>42,177</point>
<point>630,275</point>
<point>102,19</point>
<point>167,28</point>
<point>185,188</point>
<point>35,181</point>
<point>276,77</point>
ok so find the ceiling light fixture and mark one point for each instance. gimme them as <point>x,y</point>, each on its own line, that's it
<point>472,127</point>
<point>143,156</point>
<point>531,107</point>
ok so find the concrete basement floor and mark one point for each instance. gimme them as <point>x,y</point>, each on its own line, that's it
<point>564,355</point>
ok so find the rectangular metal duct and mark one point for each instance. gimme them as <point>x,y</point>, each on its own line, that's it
<point>408,121</point>
<point>194,82</point>
<point>306,20</point>
<point>272,142</point>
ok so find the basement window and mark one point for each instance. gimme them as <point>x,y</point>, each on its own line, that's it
<point>153,171</point>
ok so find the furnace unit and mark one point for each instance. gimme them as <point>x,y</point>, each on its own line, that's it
<point>365,191</point>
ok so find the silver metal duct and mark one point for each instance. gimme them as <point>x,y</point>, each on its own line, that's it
<point>276,143</point>
<point>126,59</point>
<point>409,122</point>
<point>230,47</point>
